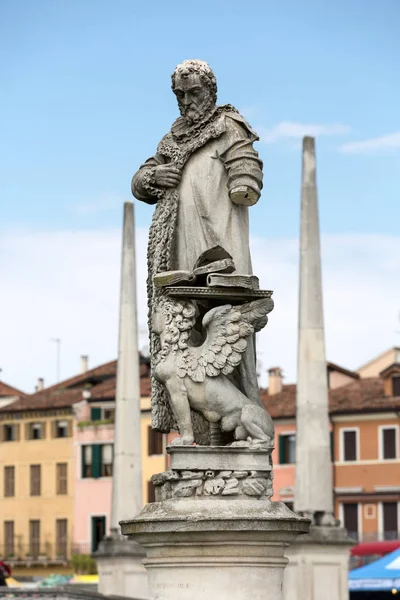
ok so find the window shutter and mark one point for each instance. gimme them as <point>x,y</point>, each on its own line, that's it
<point>282,458</point>
<point>150,492</point>
<point>27,431</point>
<point>83,462</point>
<point>43,430</point>
<point>149,441</point>
<point>17,432</point>
<point>53,429</point>
<point>1,433</point>
<point>95,414</point>
<point>69,428</point>
<point>332,440</point>
<point>96,461</point>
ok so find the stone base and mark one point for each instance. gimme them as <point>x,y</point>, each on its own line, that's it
<point>318,566</point>
<point>121,569</point>
<point>203,544</point>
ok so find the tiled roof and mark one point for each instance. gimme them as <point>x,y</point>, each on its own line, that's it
<point>8,390</point>
<point>101,381</point>
<point>362,395</point>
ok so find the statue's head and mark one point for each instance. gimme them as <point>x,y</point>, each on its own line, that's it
<point>195,87</point>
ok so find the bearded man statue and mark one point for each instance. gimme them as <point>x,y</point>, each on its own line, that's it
<point>203,177</point>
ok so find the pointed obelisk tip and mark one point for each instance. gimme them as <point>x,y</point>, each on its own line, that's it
<point>309,144</point>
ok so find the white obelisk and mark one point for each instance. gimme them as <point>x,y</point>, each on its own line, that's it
<point>119,560</point>
<point>313,489</point>
<point>318,562</point>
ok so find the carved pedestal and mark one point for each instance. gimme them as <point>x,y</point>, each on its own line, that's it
<point>213,531</point>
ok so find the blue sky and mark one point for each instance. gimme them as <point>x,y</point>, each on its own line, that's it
<point>85,98</point>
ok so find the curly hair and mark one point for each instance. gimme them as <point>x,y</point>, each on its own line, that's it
<point>179,318</point>
<point>201,68</point>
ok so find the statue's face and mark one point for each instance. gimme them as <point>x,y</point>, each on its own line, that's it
<point>194,98</point>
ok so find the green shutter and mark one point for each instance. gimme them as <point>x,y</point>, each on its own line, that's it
<point>332,447</point>
<point>282,457</point>
<point>83,461</point>
<point>96,460</point>
<point>95,414</point>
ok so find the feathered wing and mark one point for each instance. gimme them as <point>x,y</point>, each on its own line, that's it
<point>228,328</point>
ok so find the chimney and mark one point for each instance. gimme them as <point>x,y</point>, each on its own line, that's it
<point>275,377</point>
<point>84,363</point>
<point>40,384</point>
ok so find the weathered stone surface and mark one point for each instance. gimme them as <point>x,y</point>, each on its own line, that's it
<point>231,487</point>
<point>225,474</point>
<point>240,474</point>
<point>212,487</point>
<point>219,458</point>
<point>186,183</point>
<point>191,474</point>
<point>224,555</point>
<point>313,461</point>
<point>186,488</point>
<point>255,486</point>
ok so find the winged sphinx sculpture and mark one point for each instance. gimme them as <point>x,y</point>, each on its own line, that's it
<point>197,377</point>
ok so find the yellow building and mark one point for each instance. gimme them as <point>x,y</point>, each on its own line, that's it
<point>36,482</point>
<point>56,451</point>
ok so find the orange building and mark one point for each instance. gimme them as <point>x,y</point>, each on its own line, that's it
<point>365,420</point>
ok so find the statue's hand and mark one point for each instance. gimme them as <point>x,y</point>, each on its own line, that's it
<point>167,176</point>
<point>244,195</point>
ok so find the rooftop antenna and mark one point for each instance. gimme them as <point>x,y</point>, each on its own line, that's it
<point>58,367</point>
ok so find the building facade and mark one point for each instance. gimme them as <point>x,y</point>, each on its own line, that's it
<point>56,466</point>
<point>365,422</point>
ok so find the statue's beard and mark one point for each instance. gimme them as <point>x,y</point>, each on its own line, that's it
<point>198,113</point>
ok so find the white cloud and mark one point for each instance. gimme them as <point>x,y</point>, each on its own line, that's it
<point>66,284</point>
<point>384,142</point>
<point>289,131</point>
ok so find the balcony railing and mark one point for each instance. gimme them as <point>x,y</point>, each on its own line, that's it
<point>17,553</point>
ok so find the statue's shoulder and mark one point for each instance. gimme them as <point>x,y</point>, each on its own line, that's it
<point>232,117</point>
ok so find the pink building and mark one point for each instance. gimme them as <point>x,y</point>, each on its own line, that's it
<point>93,452</point>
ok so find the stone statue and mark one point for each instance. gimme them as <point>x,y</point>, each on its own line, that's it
<point>203,177</point>
<point>196,376</point>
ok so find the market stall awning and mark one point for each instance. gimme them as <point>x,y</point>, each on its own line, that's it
<point>383,574</point>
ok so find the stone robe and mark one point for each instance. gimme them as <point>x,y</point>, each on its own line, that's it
<point>215,161</point>
<point>206,214</point>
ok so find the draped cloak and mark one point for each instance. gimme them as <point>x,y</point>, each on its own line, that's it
<point>215,158</point>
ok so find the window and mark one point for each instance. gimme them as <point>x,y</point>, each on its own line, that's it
<point>10,432</point>
<point>35,431</point>
<point>350,519</point>
<point>34,538</point>
<point>61,538</point>
<point>62,478</point>
<point>287,449</point>
<point>86,461</point>
<point>349,444</point>
<point>388,442</point>
<point>95,413</point>
<point>151,497</point>
<point>396,385</point>
<point>9,482</point>
<point>390,520</point>
<point>97,460</point>
<point>9,539</point>
<point>155,442</point>
<point>107,460</point>
<point>35,480</point>
<point>109,414</point>
<point>61,429</point>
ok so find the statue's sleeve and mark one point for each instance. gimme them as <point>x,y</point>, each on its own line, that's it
<point>143,182</point>
<point>241,161</point>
